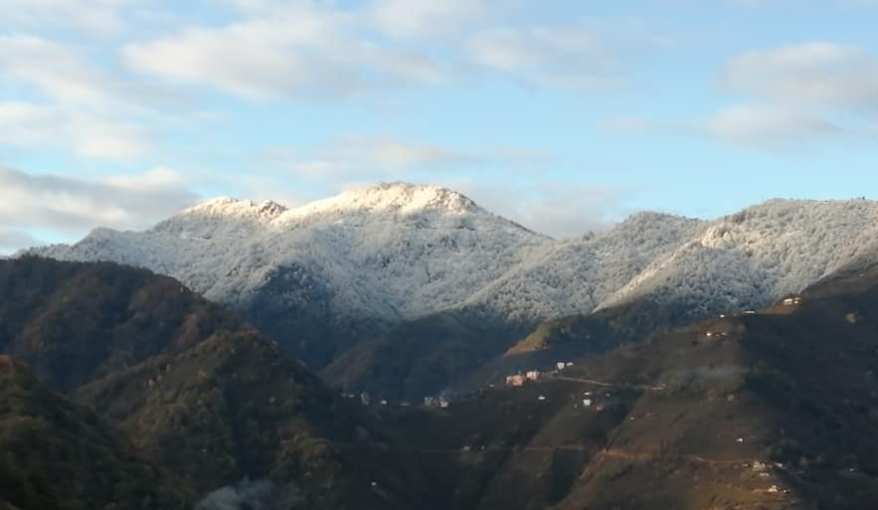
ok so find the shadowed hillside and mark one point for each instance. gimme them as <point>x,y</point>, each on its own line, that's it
<point>57,454</point>
<point>192,388</point>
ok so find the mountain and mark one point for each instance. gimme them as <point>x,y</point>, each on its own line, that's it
<point>343,281</point>
<point>188,387</point>
<point>773,409</point>
<point>337,268</point>
<point>143,392</point>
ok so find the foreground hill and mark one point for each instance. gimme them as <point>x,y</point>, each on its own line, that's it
<point>189,387</point>
<point>342,281</point>
<point>57,454</point>
<point>772,410</point>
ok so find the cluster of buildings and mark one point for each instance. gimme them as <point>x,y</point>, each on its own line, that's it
<point>710,334</point>
<point>520,379</point>
<point>440,402</point>
<point>366,400</point>
<point>593,401</point>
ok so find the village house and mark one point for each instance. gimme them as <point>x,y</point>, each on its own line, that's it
<point>515,380</point>
<point>533,375</point>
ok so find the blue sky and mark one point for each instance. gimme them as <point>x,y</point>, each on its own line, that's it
<point>563,115</point>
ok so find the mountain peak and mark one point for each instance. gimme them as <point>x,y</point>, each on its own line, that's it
<point>233,207</point>
<point>398,197</point>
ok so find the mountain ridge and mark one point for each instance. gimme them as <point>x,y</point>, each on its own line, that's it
<point>330,275</point>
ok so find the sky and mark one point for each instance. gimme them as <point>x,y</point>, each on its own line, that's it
<point>565,116</point>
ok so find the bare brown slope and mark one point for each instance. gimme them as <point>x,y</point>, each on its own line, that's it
<point>775,410</point>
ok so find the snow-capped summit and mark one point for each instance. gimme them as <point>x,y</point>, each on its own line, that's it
<point>227,207</point>
<point>389,251</point>
<point>397,197</point>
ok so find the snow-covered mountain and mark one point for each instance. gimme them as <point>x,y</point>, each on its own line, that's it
<point>393,251</point>
<point>396,252</point>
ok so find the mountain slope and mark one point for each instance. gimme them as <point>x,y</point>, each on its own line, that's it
<point>772,410</point>
<point>193,389</point>
<point>56,454</point>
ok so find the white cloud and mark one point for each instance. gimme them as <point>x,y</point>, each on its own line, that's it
<point>303,50</point>
<point>89,16</point>
<point>815,73</point>
<point>570,57</point>
<point>355,158</point>
<point>71,206</point>
<point>156,180</point>
<point>55,69</point>
<point>12,240</point>
<point>757,126</point>
<point>360,159</point>
<point>419,18</point>
<point>767,126</point>
<point>560,211</point>
<point>27,124</point>
<point>796,93</point>
<point>30,125</point>
<point>92,113</point>
<point>67,75</point>
<point>306,49</point>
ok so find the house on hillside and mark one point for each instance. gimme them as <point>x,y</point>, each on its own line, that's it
<point>515,380</point>
<point>533,375</point>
